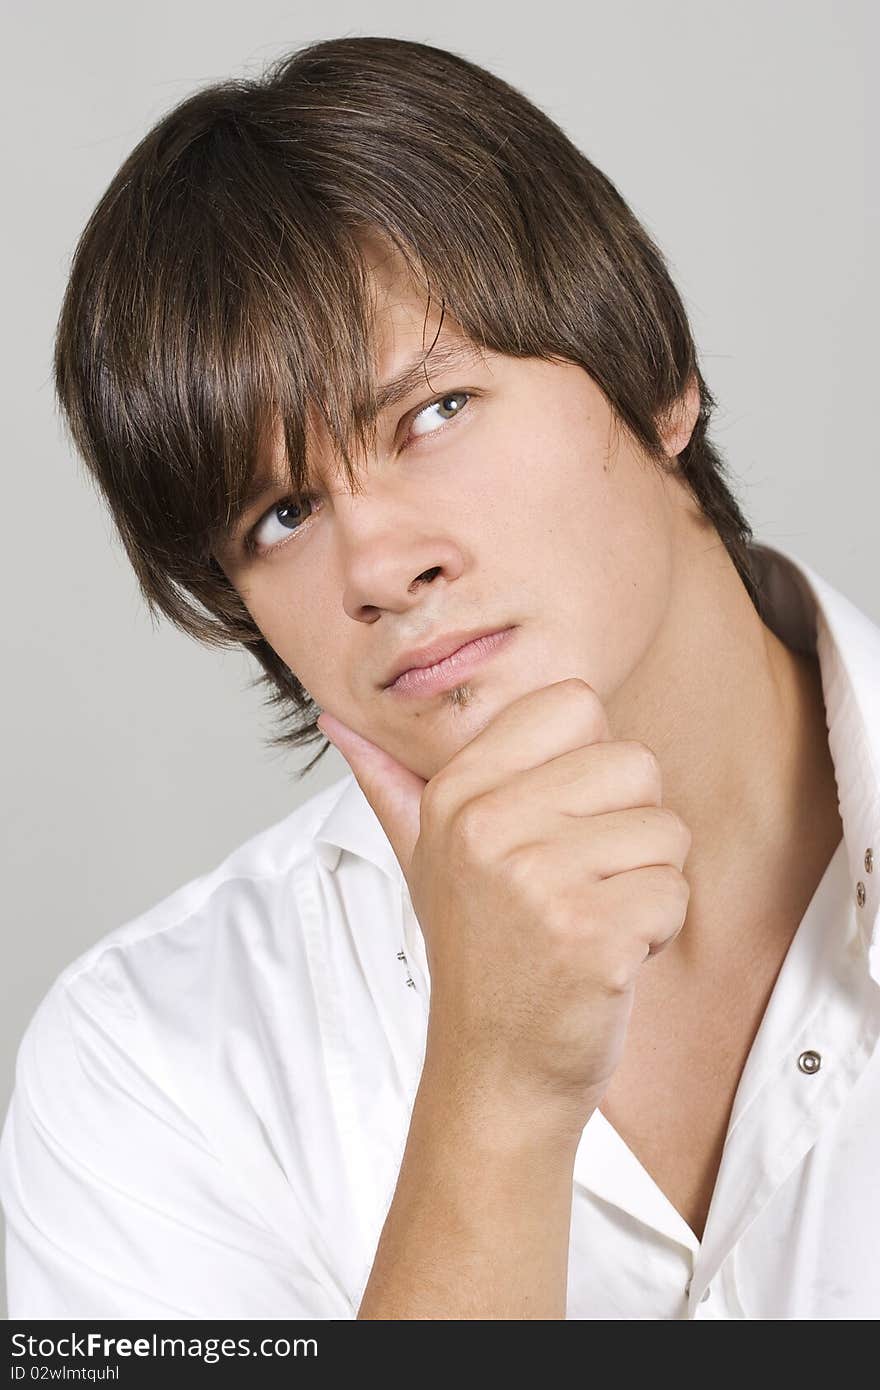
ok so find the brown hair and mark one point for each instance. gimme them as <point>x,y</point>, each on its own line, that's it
<point>219,285</point>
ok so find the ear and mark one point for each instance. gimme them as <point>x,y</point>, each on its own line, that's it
<point>677,425</point>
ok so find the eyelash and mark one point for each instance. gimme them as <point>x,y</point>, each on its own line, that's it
<point>255,551</point>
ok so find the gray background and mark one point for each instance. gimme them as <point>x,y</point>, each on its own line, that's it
<point>740,133</point>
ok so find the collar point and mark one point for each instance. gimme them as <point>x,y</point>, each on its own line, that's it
<point>328,855</point>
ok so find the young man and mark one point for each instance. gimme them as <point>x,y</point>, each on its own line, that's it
<point>565,1002</point>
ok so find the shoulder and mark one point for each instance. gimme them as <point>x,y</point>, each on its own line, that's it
<point>239,892</point>
<point>176,1100</point>
<point>182,962</point>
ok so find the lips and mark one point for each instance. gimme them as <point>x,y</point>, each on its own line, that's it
<point>436,651</point>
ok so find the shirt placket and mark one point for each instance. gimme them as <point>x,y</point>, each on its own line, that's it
<point>799,1098</point>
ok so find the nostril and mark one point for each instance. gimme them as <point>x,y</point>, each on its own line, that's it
<point>426,576</point>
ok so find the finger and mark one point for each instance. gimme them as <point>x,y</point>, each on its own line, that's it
<point>592,780</point>
<point>537,726</point>
<point>392,790</point>
<point>578,852</point>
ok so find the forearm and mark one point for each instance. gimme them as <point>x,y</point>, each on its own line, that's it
<point>480,1220</point>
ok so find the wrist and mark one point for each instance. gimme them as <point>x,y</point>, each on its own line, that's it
<point>497,1114</point>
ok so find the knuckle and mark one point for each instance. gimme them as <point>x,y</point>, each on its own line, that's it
<point>522,868</point>
<point>474,821</point>
<point>617,976</point>
<point>679,830</point>
<point>647,762</point>
<point>687,836</point>
<point>669,819</point>
<point>577,686</point>
<point>671,883</point>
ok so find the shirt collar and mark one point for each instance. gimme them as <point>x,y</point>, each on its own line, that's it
<point>352,824</point>
<point>808,614</point>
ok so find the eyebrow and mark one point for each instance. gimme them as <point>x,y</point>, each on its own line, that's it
<point>442,358</point>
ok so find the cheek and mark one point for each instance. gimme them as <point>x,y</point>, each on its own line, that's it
<point>608,502</point>
<point>300,639</point>
<point>597,559</point>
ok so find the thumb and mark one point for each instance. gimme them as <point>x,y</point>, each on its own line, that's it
<point>392,790</point>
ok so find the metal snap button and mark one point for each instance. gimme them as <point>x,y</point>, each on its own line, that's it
<point>869,861</point>
<point>860,894</point>
<point>809,1062</point>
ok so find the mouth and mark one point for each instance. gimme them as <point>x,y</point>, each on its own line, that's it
<point>421,681</point>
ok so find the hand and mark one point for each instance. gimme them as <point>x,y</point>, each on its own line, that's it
<point>544,871</point>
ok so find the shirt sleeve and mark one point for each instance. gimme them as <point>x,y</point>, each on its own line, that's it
<point>115,1204</point>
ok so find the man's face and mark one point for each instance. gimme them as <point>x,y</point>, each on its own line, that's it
<point>504,479</point>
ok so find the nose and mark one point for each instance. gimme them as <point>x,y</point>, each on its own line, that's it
<point>384,566</point>
<point>426,576</point>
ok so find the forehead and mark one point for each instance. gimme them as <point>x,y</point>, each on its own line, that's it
<point>385,264</point>
<point>414,340</point>
<point>410,340</point>
<point>406,318</point>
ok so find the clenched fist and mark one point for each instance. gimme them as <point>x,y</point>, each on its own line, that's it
<point>544,871</point>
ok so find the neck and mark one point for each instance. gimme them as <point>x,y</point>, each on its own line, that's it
<point>737,720</point>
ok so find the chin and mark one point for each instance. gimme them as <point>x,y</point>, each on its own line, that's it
<point>459,696</point>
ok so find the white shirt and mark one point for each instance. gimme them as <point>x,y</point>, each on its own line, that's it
<point>211,1103</point>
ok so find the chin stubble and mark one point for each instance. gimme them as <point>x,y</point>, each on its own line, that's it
<point>459,696</point>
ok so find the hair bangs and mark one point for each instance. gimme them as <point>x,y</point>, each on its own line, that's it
<point>219,324</point>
